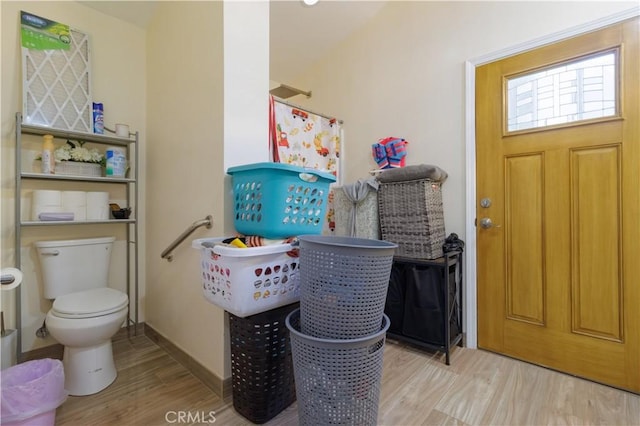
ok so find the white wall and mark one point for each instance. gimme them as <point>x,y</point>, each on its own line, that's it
<point>403,75</point>
<point>118,73</point>
<point>185,171</point>
<point>207,111</point>
<point>246,85</point>
<point>246,51</point>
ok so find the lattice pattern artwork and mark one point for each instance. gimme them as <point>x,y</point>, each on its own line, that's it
<point>57,86</point>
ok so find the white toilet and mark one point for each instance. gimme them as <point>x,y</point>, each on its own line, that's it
<point>85,313</point>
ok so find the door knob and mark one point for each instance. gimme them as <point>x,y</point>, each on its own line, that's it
<point>486,223</point>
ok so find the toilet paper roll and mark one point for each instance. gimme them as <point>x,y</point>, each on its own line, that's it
<point>97,205</point>
<point>37,209</point>
<point>75,202</point>
<point>79,212</point>
<point>8,273</point>
<point>122,130</point>
<point>74,198</point>
<point>46,197</point>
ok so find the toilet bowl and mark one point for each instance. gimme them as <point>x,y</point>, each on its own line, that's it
<point>84,323</point>
<point>86,312</point>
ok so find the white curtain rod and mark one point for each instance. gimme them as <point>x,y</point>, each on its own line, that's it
<point>275,98</point>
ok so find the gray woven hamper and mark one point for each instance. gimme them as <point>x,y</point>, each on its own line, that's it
<point>411,216</point>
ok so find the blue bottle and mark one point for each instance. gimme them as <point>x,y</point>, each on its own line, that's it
<point>98,118</point>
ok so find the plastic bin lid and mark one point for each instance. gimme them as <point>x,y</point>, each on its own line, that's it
<point>280,166</point>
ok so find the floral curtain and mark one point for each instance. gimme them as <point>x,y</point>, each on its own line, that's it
<point>305,139</point>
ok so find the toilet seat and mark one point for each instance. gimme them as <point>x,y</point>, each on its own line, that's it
<point>89,303</point>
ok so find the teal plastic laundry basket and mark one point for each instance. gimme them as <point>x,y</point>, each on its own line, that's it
<point>276,200</point>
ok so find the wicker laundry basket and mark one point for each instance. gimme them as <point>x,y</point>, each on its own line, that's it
<point>411,216</point>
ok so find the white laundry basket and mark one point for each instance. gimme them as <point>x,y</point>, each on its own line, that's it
<point>248,281</point>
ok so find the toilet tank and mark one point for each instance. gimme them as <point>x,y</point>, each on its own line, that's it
<point>74,265</point>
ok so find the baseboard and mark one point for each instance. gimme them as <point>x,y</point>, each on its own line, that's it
<point>221,387</point>
<point>54,351</point>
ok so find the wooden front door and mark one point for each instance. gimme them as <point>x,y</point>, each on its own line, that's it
<point>559,261</point>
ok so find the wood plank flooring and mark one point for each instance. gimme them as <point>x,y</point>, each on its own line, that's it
<point>478,388</point>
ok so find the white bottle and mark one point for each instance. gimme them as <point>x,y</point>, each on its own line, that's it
<point>48,158</point>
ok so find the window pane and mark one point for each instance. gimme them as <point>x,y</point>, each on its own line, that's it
<point>580,90</point>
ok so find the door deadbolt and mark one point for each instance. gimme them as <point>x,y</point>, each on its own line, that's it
<point>485,203</point>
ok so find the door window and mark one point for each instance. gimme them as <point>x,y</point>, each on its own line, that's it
<point>578,90</point>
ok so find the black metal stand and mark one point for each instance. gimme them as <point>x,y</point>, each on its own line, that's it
<point>424,302</point>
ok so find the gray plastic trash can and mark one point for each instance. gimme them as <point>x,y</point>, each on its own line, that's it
<point>343,285</point>
<point>337,380</point>
<point>31,392</point>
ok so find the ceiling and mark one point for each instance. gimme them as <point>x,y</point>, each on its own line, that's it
<point>300,34</point>
<point>137,13</point>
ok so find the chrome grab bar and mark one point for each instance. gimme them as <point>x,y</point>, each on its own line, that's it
<point>207,221</point>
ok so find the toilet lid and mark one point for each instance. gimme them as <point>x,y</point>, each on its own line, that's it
<point>89,303</point>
